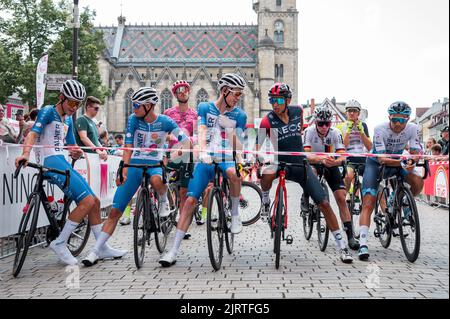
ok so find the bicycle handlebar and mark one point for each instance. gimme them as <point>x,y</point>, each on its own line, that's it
<point>44,169</point>
<point>144,167</point>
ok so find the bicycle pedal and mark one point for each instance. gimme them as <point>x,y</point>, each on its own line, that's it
<point>289,240</point>
<point>376,234</point>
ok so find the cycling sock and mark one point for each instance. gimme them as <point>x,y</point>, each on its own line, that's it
<point>348,228</point>
<point>69,227</point>
<point>363,234</point>
<point>179,236</point>
<point>96,230</point>
<point>163,198</point>
<point>339,240</point>
<point>101,240</point>
<point>127,212</point>
<point>204,213</point>
<point>234,206</point>
<point>266,198</point>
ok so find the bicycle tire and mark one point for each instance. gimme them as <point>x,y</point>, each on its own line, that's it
<point>80,236</point>
<point>254,213</point>
<point>355,215</point>
<point>323,232</point>
<point>382,220</point>
<point>139,224</point>
<point>215,228</point>
<point>161,224</point>
<point>414,221</point>
<point>25,237</point>
<point>278,228</point>
<point>308,222</point>
<point>174,204</point>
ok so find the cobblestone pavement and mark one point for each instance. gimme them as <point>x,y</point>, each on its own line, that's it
<point>305,272</point>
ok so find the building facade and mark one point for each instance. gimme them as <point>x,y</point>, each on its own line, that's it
<point>158,55</point>
<point>434,120</point>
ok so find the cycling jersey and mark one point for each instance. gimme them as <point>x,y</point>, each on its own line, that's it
<point>284,137</point>
<point>141,134</point>
<point>331,143</point>
<point>388,142</point>
<point>52,131</point>
<point>356,144</point>
<point>187,121</point>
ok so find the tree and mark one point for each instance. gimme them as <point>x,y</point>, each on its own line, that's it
<point>8,77</point>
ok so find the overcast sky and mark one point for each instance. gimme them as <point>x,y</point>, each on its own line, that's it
<point>376,51</point>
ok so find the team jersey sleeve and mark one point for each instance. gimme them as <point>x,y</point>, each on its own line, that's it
<point>264,131</point>
<point>366,129</point>
<point>202,111</point>
<point>307,140</point>
<point>338,141</point>
<point>378,142</point>
<point>131,129</point>
<point>414,142</point>
<point>171,127</point>
<point>44,117</point>
<point>70,137</point>
<point>241,126</point>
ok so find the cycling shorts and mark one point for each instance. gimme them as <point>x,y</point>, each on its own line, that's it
<point>333,176</point>
<point>184,171</point>
<point>203,174</point>
<point>354,161</point>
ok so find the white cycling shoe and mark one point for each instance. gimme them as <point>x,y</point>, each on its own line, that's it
<point>236,225</point>
<point>164,210</point>
<point>169,259</point>
<point>91,259</point>
<point>107,252</point>
<point>63,253</point>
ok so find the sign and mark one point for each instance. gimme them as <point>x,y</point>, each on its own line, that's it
<point>54,81</point>
<point>41,71</point>
<point>11,110</point>
<point>437,184</point>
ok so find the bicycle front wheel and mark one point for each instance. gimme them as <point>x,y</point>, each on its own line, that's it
<point>383,227</point>
<point>250,203</point>
<point>139,228</point>
<point>308,221</point>
<point>27,229</point>
<point>80,236</point>
<point>355,209</point>
<point>409,225</point>
<point>278,227</point>
<point>215,228</point>
<point>323,232</point>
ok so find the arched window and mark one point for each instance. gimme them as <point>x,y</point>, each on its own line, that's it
<point>279,3</point>
<point>202,96</point>
<point>279,32</point>
<point>166,100</point>
<point>128,106</point>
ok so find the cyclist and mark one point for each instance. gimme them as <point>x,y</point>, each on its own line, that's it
<point>356,140</point>
<point>323,138</point>
<point>219,123</point>
<point>186,119</point>
<point>146,130</point>
<point>390,138</point>
<point>284,125</point>
<point>53,126</point>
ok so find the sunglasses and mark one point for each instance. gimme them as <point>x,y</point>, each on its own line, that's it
<point>96,108</point>
<point>182,89</point>
<point>400,120</point>
<point>236,94</point>
<point>353,111</point>
<point>277,100</point>
<point>136,106</point>
<point>73,103</point>
<point>323,123</point>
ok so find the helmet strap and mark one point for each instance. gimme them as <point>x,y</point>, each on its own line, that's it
<point>225,100</point>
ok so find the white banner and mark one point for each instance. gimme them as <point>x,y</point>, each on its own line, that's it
<point>41,71</point>
<point>13,192</point>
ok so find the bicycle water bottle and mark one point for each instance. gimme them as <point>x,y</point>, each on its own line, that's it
<point>53,204</point>
<point>357,203</point>
<point>390,203</point>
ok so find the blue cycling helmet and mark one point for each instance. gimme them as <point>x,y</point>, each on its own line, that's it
<point>400,108</point>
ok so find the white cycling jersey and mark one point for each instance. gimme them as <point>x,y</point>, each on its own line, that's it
<point>386,141</point>
<point>331,143</point>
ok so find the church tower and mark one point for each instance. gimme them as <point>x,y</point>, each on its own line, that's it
<point>277,47</point>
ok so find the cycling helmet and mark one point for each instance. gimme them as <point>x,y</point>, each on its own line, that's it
<point>353,104</point>
<point>280,89</point>
<point>323,113</point>
<point>400,108</point>
<point>73,90</point>
<point>145,95</point>
<point>178,84</point>
<point>231,80</point>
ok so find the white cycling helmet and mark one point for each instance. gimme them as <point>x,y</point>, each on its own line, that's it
<point>73,90</point>
<point>145,95</point>
<point>323,113</point>
<point>353,104</point>
<point>231,80</point>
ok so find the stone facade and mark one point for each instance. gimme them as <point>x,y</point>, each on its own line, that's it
<point>157,55</point>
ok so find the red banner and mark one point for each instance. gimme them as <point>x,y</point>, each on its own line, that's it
<point>438,182</point>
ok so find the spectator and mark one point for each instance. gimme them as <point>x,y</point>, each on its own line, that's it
<point>7,133</point>
<point>119,143</point>
<point>105,142</point>
<point>32,115</point>
<point>430,143</point>
<point>436,150</point>
<point>87,132</point>
<point>444,141</point>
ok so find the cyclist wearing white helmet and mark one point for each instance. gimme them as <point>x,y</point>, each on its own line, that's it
<point>219,123</point>
<point>356,139</point>
<point>323,138</point>
<point>50,129</point>
<point>390,138</point>
<point>145,130</point>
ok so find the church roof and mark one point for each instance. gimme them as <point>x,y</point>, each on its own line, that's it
<point>183,44</point>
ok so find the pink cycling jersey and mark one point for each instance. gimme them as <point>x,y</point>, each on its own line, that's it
<point>187,121</point>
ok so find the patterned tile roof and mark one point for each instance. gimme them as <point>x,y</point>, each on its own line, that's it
<point>204,44</point>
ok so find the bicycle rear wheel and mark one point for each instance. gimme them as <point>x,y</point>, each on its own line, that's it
<point>80,236</point>
<point>308,221</point>
<point>139,228</point>
<point>278,227</point>
<point>409,225</point>
<point>250,203</point>
<point>26,232</point>
<point>173,196</point>
<point>323,232</point>
<point>383,227</point>
<point>355,212</point>
<point>162,224</point>
<point>215,228</point>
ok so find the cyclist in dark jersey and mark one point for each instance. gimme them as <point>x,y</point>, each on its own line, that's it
<point>284,127</point>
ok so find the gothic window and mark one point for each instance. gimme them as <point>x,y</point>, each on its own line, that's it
<point>279,3</point>
<point>128,106</point>
<point>166,100</point>
<point>202,96</point>
<point>279,32</point>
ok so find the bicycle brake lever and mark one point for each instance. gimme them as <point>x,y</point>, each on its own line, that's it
<point>16,173</point>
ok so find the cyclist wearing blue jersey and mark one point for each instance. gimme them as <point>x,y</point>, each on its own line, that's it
<point>54,125</point>
<point>145,130</point>
<point>390,138</point>
<point>219,123</point>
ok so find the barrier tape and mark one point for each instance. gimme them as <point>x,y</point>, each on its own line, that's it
<point>370,155</point>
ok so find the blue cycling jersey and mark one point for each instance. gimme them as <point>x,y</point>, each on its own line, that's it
<point>216,139</point>
<point>141,134</point>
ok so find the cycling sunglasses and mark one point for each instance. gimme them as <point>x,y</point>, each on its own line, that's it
<point>323,123</point>
<point>236,94</point>
<point>136,106</point>
<point>277,100</point>
<point>353,111</point>
<point>72,103</point>
<point>400,120</point>
<point>182,89</point>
